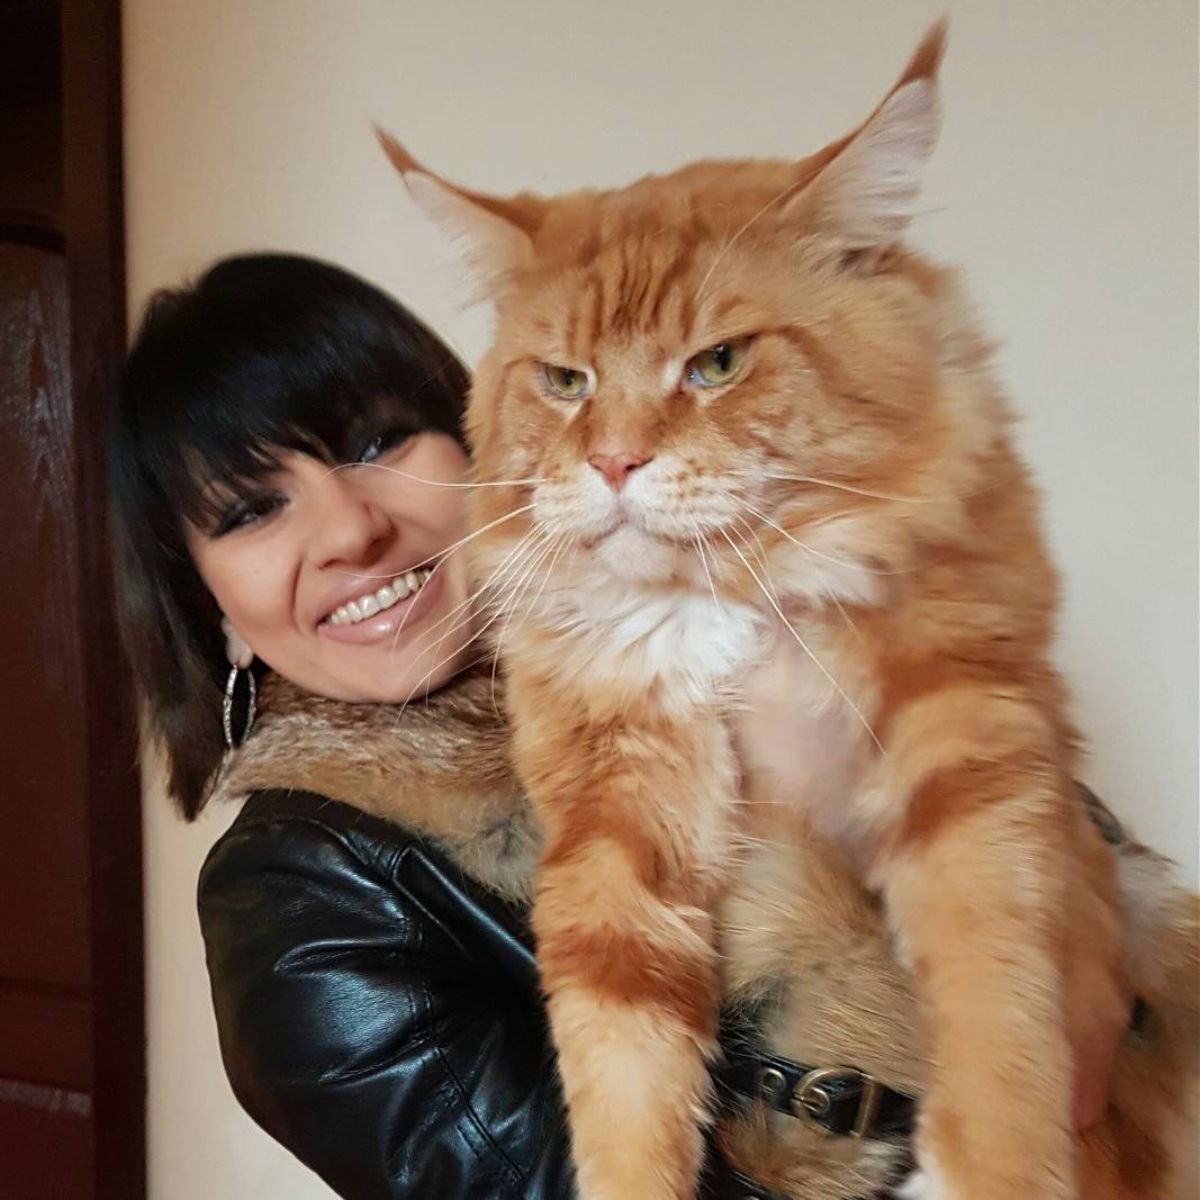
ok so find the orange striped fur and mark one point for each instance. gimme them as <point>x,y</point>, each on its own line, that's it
<point>817,585</point>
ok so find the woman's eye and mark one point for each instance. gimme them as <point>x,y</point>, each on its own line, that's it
<point>565,382</point>
<point>250,511</point>
<point>718,364</point>
<point>382,443</point>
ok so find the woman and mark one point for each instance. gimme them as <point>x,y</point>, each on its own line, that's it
<point>287,488</point>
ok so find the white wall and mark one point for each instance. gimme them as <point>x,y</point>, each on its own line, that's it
<point>1065,183</point>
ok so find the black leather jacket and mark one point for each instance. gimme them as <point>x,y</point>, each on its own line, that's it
<point>379,1013</point>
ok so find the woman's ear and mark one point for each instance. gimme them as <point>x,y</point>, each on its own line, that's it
<point>237,651</point>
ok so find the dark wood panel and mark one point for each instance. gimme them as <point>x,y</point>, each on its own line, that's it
<point>42,806</point>
<point>45,1142</point>
<point>31,104</point>
<point>71,975</point>
<point>45,1035</point>
<point>93,223</point>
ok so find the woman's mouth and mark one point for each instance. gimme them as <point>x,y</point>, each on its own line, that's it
<point>371,604</point>
<point>401,611</point>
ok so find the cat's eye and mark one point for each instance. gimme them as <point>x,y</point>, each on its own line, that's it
<point>717,365</point>
<point>568,383</point>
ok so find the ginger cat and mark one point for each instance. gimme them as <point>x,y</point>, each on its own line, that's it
<point>759,559</point>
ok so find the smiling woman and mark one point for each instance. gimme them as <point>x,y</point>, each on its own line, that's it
<point>287,459</point>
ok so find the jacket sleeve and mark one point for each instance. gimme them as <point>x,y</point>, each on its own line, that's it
<point>364,1034</point>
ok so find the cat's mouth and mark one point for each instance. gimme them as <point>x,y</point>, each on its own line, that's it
<point>656,525</point>
<point>628,525</point>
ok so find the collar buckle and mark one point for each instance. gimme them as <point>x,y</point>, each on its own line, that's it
<point>812,1099</point>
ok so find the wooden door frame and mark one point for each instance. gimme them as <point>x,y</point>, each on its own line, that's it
<point>94,236</point>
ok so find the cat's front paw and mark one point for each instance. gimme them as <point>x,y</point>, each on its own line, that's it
<point>928,1182</point>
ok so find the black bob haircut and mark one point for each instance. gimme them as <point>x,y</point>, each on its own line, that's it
<point>263,353</point>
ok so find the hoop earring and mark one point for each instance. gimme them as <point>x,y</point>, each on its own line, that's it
<point>227,706</point>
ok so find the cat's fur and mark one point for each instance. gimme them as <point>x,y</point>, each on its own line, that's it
<point>819,586</point>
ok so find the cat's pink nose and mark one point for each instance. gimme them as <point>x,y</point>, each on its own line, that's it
<point>616,467</point>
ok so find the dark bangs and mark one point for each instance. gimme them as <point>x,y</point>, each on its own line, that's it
<point>265,353</point>
<point>270,353</point>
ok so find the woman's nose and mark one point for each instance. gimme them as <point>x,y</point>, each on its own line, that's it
<point>351,528</point>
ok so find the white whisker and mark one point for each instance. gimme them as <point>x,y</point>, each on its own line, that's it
<point>837,603</point>
<point>699,540</point>
<point>511,562</point>
<point>840,562</point>
<point>408,612</point>
<point>760,552</point>
<point>732,241</point>
<point>803,644</point>
<point>472,597</point>
<point>427,678</point>
<point>846,487</point>
<point>516,586</point>
<point>525,545</point>
<point>534,553</point>
<point>557,543</point>
<point>449,550</point>
<point>562,542</point>
<point>375,466</point>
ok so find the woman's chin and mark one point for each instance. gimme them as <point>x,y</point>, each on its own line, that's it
<point>423,669</point>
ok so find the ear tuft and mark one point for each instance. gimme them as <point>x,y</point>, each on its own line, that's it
<point>926,59</point>
<point>397,155</point>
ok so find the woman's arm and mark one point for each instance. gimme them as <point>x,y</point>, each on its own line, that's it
<point>390,1049</point>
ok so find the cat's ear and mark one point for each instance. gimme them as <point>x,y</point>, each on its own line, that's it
<point>493,234</point>
<point>866,192</point>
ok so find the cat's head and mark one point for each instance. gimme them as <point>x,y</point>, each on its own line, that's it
<point>672,359</point>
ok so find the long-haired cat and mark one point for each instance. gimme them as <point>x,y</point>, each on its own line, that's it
<point>760,560</point>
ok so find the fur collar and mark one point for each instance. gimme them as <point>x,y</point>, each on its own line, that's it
<point>439,768</point>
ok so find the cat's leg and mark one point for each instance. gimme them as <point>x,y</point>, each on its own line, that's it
<point>1010,966</point>
<point>633,1054</point>
<point>634,815</point>
<point>972,912</point>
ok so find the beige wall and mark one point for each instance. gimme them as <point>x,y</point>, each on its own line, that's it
<point>1065,182</point>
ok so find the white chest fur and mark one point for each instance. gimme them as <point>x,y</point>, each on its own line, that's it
<point>797,716</point>
<point>687,646</point>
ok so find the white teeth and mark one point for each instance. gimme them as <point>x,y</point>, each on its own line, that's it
<point>369,605</point>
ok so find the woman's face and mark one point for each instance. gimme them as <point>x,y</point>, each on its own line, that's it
<point>335,577</point>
